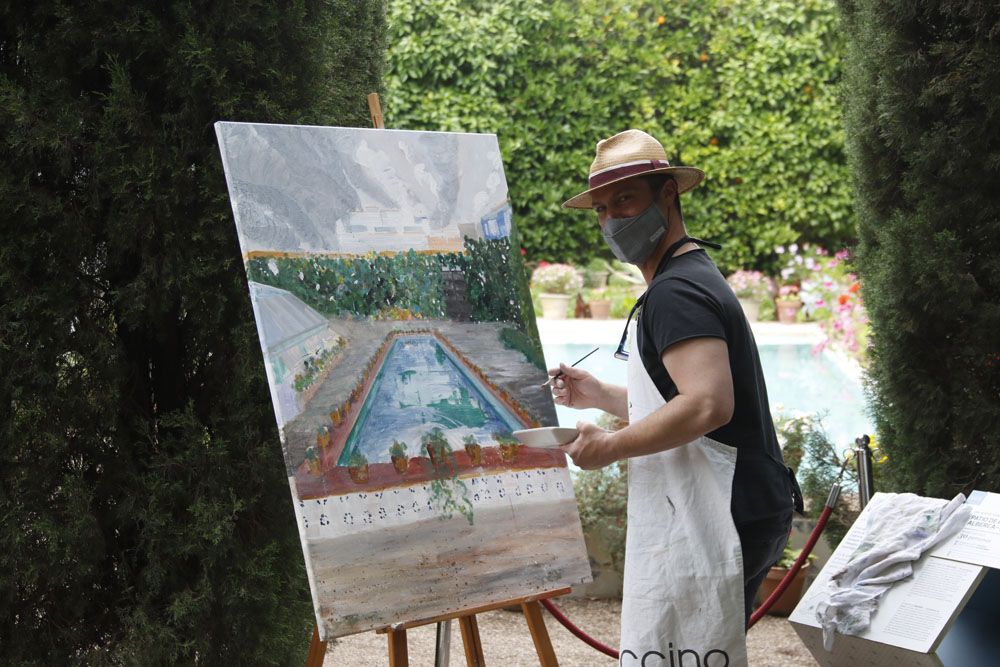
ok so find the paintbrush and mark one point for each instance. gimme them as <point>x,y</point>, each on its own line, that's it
<point>560,373</point>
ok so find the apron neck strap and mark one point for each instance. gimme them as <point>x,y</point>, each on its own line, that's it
<point>675,246</point>
<point>622,353</point>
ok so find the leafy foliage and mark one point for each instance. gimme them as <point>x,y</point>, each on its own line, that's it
<point>383,285</point>
<point>602,498</point>
<point>746,91</point>
<point>925,150</point>
<point>144,500</point>
<point>817,464</point>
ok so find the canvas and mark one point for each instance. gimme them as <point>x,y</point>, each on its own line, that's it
<point>401,351</point>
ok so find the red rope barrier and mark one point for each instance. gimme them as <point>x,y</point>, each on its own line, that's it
<point>799,562</point>
<point>580,634</point>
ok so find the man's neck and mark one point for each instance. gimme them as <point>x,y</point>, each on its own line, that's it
<point>675,232</point>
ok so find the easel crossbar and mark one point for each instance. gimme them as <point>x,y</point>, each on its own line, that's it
<point>474,610</point>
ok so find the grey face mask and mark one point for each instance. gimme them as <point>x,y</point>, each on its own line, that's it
<point>633,239</point>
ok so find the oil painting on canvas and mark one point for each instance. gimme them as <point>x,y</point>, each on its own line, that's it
<point>401,352</point>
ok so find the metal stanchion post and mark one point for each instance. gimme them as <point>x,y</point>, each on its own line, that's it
<point>866,483</point>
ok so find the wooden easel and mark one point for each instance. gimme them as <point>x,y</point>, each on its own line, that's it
<point>532,610</point>
<point>396,634</point>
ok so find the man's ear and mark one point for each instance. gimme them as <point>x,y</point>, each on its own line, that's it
<point>669,190</point>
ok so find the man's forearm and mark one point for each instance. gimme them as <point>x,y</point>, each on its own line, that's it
<point>615,400</point>
<point>678,422</point>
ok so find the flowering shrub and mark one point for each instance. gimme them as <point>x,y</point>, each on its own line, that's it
<point>751,285</point>
<point>800,262</point>
<point>556,278</point>
<point>831,295</point>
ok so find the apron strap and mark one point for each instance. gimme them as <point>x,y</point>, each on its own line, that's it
<point>661,267</point>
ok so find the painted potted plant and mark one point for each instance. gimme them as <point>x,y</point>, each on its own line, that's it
<point>751,288</point>
<point>473,449</point>
<point>555,284</point>
<point>397,452</point>
<point>313,463</point>
<point>323,437</point>
<point>785,604</point>
<point>507,445</point>
<point>788,303</point>
<point>358,467</point>
<point>437,447</point>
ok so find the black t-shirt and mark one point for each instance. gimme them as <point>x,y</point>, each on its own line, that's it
<point>691,299</point>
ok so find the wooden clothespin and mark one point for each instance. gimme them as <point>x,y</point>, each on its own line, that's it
<point>378,122</point>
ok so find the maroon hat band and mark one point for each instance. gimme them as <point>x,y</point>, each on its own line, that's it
<point>605,177</point>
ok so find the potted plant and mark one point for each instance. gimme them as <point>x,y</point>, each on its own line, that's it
<point>785,604</point>
<point>751,288</point>
<point>397,452</point>
<point>473,449</point>
<point>358,467</point>
<point>596,274</point>
<point>555,284</point>
<point>788,303</point>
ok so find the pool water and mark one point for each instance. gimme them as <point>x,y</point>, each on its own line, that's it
<point>798,381</point>
<point>420,386</point>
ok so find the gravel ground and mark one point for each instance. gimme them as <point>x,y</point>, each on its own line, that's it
<point>506,641</point>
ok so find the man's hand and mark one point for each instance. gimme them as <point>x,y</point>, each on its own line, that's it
<point>576,388</point>
<point>592,448</point>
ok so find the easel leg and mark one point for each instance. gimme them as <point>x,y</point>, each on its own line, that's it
<point>317,650</point>
<point>470,639</point>
<point>442,647</point>
<point>398,656</point>
<point>539,634</point>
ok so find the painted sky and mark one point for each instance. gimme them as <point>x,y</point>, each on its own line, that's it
<point>302,189</point>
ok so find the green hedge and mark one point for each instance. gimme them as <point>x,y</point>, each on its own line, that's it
<point>146,517</point>
<point>925,82</point>
<point>746,91</point>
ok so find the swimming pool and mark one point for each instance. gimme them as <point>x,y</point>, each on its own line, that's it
<point>419,386</point>
<point>798,381</point>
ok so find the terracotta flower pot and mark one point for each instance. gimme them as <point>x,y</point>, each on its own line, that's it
<point>400,463</point>
<point>788,311</point>
<point>600,309</point>
<point>784,605</point>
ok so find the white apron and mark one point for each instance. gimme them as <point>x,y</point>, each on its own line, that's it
<point>683,588</point>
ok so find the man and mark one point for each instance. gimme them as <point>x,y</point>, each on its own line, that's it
<point>710,499</point>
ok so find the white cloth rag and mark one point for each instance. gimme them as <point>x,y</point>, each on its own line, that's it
<point>900,527</point>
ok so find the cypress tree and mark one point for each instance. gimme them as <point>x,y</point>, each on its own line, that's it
<point>146,516</point>
<point>923,126</point>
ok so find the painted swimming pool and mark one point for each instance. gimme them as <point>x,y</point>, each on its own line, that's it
<point>420,386</point>
<point>798,381</point>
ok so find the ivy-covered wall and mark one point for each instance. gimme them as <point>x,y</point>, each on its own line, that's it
<point>746,91</point>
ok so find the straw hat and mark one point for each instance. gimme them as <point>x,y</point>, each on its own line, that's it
<point>632,153</point>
